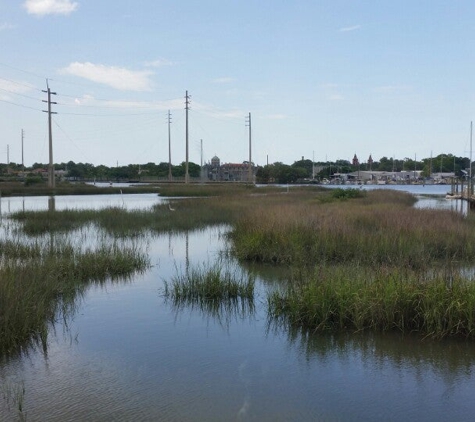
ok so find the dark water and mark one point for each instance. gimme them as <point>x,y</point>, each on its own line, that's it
<point>127,354</point>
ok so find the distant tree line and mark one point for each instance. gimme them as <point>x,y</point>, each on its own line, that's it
<point>87,171</point>
<point>272,173</point>
<point>306,169</point>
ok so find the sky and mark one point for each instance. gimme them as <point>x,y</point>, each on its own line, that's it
<point>322,79</point>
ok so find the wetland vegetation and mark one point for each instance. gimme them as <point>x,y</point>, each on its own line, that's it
<point>359,260</point>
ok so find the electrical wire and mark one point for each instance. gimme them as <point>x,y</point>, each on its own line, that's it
<point>20,105</point>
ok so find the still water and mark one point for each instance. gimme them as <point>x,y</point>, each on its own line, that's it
<point>127,354</point>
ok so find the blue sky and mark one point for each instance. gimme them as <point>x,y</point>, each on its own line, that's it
<point>322,78</point>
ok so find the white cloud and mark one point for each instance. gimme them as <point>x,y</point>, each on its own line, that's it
<point>14,87</point>
<point>9,87</point>
<point>89,101</point>
<point>116,77</point>
<point>350,28</point>
<point>5,26</point>
<point>50,7</point>
<point>335,97</point>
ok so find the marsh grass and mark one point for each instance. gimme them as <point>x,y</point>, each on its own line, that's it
<point>187,214</point>
<point>381,299</point>
<point>13,395</point>
<point>215,290</point>
<point>42,286</point>
<point>66,188</point>
<point>379,229</point>
<point>206,189</point>
<point>377,256</point>
<point>210,282</point>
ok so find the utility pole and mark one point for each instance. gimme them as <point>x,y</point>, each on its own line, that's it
<point>187,107</point>
<point>313,165</point>
<point>51,179</point>
<point>169,148</point>
<point>22,158</point>
<point>415,166</point>
<point>470,186</point>
<point>248,123</point>
<point>201,162</point>
<point>8,158</point>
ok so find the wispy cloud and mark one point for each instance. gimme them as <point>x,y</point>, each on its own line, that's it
<point>50,7</point>
<point>9,87</point>
<point>6,26</point>
<point>116,77</point>
<point>335,97</point>
<point>350,28</point>
<point>90,101</point>
<point>160,62</point>
<point>224,80</point>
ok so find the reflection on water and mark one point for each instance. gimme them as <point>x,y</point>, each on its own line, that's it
<point>223,312</point>
<point>126,353</point>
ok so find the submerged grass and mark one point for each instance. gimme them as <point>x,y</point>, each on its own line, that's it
<point>384,299</point>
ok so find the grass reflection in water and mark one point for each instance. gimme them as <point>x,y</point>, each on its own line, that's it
<point>217,291</point>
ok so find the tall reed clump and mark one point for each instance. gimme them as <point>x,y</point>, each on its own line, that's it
<point>217,292</point>
<point>384,299</point>
<point>367,231</point>
<point>210,282</point>
<point>42,286</point>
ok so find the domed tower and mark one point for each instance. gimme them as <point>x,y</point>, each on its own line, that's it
<point>215,162</point>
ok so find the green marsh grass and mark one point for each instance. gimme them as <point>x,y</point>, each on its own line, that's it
<point>216,291</point>
<point>66,188</point>
<point>380,229</point>
<point>368,246</point>
<point>380,299</point>
<point>40,287</point>
<point>210,282</point>
<point>187,214</point>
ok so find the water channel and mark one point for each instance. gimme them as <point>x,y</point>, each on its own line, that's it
<point>127,354</point>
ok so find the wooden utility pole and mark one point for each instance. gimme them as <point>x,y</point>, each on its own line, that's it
<point>51,179</point>
<point>169,148</point>
<point>248,123</point>
<point>187,107</point>
<point>470,185</point>
<point>201,161</point>
<point>22,157</point>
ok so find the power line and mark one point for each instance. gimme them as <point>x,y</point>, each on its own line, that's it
<point>22,84</point>
<point>19,105</point>
<point>108,115</point>
<point>21,95</point>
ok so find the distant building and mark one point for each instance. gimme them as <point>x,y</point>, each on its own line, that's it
<point>229,172</point>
